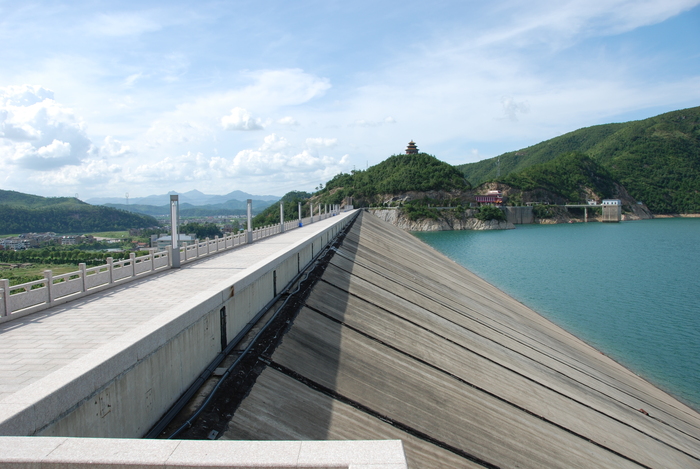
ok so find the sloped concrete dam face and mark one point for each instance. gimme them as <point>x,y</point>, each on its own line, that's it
<point>397,341</point>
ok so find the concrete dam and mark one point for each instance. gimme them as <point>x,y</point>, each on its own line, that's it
<point>396,342</point>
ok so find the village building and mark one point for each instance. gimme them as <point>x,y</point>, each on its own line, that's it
<point>163,242</point>
<point>493,197</point>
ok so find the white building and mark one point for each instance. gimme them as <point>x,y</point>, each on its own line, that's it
<point>164,241</point>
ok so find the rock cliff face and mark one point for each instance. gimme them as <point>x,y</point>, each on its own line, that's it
<point>449,221</point>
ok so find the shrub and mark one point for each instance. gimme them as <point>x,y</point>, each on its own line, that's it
<point>542,211</point>
<point>489,212</point>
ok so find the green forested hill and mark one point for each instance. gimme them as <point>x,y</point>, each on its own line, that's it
<point>399,173</point>
<point>569,175</point>
<point>271,215</point>
<point>21,200</point>
<point>657,159</point>
<point>21,213</point>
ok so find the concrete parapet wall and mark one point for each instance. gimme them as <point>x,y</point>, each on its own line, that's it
<point>123,388</point>
<point>519,215</point>
<point>59,453</point>
<point>612,213</point>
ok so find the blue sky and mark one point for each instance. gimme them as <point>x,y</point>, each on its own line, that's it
<point>103,98</point>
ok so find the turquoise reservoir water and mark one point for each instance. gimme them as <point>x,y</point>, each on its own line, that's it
<point>631,289</point>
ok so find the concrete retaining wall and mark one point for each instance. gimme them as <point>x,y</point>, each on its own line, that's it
<point>519,215</point>
<point>122,389</point>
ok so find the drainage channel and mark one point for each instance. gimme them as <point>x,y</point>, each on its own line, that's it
<point>204,410</point>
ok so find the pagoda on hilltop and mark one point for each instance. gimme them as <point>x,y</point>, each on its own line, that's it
<point>411,148</point>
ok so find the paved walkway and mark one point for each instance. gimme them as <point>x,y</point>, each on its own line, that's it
<point>37,345</point>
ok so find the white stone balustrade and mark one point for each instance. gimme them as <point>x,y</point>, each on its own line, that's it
<point>19,300</point>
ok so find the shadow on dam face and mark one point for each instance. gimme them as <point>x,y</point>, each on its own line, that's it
<point>284,404</point>
<point>395,341</point>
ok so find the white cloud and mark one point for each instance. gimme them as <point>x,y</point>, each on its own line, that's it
<point>277,156</point>
<point>23,95</point>
<point>511,108</point>
<point>321,142</point>
<point>55,149</point>
<point>288,120</point>
<point>131,79</point>
<point>122,24</point>
<point>558,24</point>
<point>283,88</point>
<point>92,172</point>
<point>113,147</point>
<point>196,120</point>
<point>188,167</point>
<point>240,119</point>
<point>168,131</point>
<point>276,163</point>
<point>370,123</point>
<point>38,133</point>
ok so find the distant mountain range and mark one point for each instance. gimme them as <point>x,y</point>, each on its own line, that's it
<point>229,208</point>
<point>194,198</point>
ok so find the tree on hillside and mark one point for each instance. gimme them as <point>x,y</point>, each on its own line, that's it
<point>290,201</point>
<point>201,230</point>
<point>569,176</point>
<point>418,172</point>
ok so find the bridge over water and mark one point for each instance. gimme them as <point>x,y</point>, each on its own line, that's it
<point>394,342</point>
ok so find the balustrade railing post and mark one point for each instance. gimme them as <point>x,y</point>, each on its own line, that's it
<point>169,251</point>
<point>83,275</point>
<point>216,243</point>
<point>174,236</point>
<point>249,236</point>
<point>132,258</point>
<point>5,285</point>
<point>281,217</point>
<point>153,261</point>
<point>48,275</point>
<point>110,267</point>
